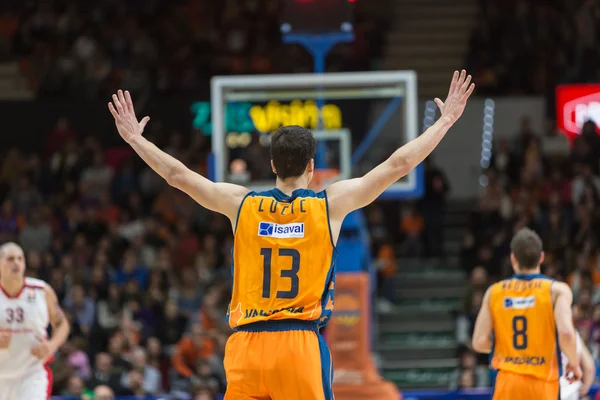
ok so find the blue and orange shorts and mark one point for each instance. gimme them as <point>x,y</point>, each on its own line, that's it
<point>511,386</point>
<point>278,360</point>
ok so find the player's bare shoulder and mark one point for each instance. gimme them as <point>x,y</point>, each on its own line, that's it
<point>559,288</point>
<point>55,312</point>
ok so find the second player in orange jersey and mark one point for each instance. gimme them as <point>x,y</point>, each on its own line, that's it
<point>524,322</point>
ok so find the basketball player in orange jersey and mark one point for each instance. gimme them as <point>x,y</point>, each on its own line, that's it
<point>524,322</point>
<point>284,249</point>
<point>27,307</point>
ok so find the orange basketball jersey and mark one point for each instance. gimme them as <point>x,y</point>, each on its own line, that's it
<point>525,339</point>
<point>283,259</point>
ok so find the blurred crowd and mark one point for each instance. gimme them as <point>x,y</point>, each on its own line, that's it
<point>68,47</point>
<point>530,46</point>
<point>539,181</point>
<point>142,271</point>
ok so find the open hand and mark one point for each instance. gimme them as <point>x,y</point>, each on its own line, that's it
<point>459,93</point>
<point>41,350</point>
<point>124,114</point>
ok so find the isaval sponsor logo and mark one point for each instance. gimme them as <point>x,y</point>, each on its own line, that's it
<point>281,231</point>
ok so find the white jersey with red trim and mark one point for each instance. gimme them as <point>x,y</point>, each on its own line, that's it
<point>25,315</point>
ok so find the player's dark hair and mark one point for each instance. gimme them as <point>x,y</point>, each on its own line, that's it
<point>292,148</point>
<point>527,248</point>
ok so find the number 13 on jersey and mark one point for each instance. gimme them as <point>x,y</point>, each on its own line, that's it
<point>292,273</point>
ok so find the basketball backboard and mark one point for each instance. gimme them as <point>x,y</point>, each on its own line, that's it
<point>247,109</point>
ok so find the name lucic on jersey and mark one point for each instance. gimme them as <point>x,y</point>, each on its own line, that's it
<point>273,206</point>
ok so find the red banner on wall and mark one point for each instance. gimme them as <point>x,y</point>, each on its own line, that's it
<point>355,375</point>
<point>576,104</point>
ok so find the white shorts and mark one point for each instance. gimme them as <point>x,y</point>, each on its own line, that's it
<point>35,385</point>
<point>569,391</point>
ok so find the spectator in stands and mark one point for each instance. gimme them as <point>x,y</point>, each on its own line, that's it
<point>172,325</point>
<point>82,308</point>
<point>203,394</point>
<point>25,197</point>
<point>102,392</point>
<point>108,310</point>
<point>466,379</point>
<point>478,281</point>
<point>152,382</point>
<point>468,374</point>
<point>585,179</point>
<point>103,374</point>
<point>433,206</point>
<point>97,177</point>
<point>466,320</point>
<point>36,234</point>
<point>188,293</point>
<point>135,385</point>
<point>77,358</point>
<point>412,226</point>
<point>9,224</point>
<point>501,160</point>
<point>158,359</point>
<point>131,270</point>
<point>75,387</point>
<point>554,145</point>
<point>386,265</point>
<point>205,376</point>
<point>583,276</point>
<point>62,133</point>
<point>116,349</point>
<point>191,349</point>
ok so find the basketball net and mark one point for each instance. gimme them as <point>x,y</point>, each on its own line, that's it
<point>322,177</point>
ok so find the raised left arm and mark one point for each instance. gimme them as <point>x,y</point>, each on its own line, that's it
<point>482,334</point>
<point>60,324</point>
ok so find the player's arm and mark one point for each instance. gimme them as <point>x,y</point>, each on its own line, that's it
<point>349,195</point>
<point>563,300</point>
<point>589,369</point>
<point>224,198</point>
<point>482,334</point>
<point>60,324</point>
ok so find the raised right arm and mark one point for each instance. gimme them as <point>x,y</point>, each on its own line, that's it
<point>348,195</point>
<point>224,198</point>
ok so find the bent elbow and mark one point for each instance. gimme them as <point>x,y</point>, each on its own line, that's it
<point>402,166</point>
<point>567,335</point>
<point>481,345</point>
<point>477,346</point>
<point>175,178</point>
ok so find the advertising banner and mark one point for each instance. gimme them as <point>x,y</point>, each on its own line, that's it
<point>576,104</point>
<point>355,376</point>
